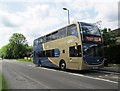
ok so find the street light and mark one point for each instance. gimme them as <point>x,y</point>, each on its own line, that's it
<point>68,15</point>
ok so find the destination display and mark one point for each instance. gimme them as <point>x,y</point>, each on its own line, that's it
<point>92,39</point>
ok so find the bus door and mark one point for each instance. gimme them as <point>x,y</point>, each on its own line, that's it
<point>75,56</point>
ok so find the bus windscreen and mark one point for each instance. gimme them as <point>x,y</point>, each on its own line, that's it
<point>92,50</point>
<point>89,29</point>
<point>92,44</point>
<point>90,33</point>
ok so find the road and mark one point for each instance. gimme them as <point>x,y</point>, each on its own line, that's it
<point>24,75</point>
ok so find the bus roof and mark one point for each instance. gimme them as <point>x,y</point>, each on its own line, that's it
<point>57,29</point>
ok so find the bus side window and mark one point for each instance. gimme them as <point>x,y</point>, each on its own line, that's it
<point>43,39</point>
<point>72,30</point>
<point>39,40</point>
<point>41,54</point>
<point>73,52</point>
<point>34,43</point>
<point>62,33</point>
<point>48,37</point>
<point>54,35</point>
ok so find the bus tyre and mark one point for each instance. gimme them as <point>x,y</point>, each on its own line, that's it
<point>62,65</point>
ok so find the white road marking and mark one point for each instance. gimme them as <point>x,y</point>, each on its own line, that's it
<point>78,75</point>
<point>47,69</point>
<point>94,78</point>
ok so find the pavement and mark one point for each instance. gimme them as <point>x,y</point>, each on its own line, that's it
<point>111,69</point>
<point>24,75</point>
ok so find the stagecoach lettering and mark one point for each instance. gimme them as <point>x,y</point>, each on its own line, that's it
<point>69,41</point>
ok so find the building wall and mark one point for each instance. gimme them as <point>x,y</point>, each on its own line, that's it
<point>117,34</point>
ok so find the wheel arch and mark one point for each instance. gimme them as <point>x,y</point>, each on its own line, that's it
<point>62,60</point>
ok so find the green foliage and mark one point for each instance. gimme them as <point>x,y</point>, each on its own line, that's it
<point>18,39</point>
<point>3,84</point>
<point>111,49</point>
<point>28,59</point>
<point>5,51</point>
<point>112,54</point>
<point>17,47</point>
<point>108,37</point>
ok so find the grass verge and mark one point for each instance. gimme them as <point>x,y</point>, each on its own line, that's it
<point>22,59</point>
<point>25,60</point>
<point>3,84</point>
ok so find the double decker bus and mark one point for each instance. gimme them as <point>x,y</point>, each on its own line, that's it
<point>77,46</point>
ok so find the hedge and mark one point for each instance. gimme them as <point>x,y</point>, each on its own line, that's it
<point>112,54</point>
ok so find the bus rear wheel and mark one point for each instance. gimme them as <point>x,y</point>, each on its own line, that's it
<point>62,65</point>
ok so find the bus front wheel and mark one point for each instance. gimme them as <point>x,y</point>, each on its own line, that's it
<point>62,65</point>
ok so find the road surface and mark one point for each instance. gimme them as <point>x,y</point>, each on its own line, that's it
<point>24,75</point>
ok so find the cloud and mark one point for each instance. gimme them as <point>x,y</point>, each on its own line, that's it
<point>8,23</point>
<point>93,11</point>
<point>5,34</point>
<point>109,11</point>
<point>32,23</point>
<point>10,19</point>
<point>58,1</point>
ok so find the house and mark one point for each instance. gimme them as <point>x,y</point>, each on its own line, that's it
<point>117,34</point>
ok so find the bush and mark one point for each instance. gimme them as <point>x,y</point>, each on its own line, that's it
<point>112,54</point>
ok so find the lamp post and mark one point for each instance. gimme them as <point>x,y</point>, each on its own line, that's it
<point>68,15</point>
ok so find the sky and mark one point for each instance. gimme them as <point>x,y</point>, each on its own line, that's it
<point>35,18</point>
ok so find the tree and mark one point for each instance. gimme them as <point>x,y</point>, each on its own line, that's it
<point>16,48</point>
<point>111,49</point>
<point>3,52</point>
<point>108,37</point>
<point>19,45</point>
<point>29,51</point>
<point>18,39</point>
<point>6,52</point>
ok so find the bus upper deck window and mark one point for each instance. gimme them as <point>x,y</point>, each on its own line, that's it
<point>72,30</point>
